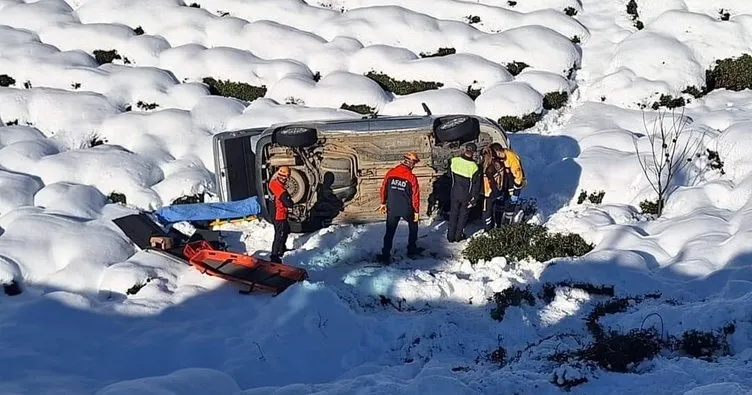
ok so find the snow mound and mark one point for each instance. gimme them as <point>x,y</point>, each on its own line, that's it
<point>120,96</point>
<point>178,382</point>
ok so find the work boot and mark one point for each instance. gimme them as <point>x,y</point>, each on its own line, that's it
<point>275,259</point>
<point>385,259</point>
<point>414,251</point>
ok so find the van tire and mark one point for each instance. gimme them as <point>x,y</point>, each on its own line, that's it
<point>296,137</point>
<point>456,128</point>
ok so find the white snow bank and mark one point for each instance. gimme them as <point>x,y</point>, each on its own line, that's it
<point>71,117</point>
<point>179,382</point>
<point>493,17</point>
<point>108,168</point>
<point>553,52</point>
<point>509,99</point>
<point>331,91</point>
<point>440,101</point>
<point>670,54</point>
<point>58,251</point>
<point>75,200</point>
<point>265,112</point>
<point>450,70</point>
<point>17,190</point>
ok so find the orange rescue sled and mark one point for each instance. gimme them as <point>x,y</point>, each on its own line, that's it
<point>241,268</point>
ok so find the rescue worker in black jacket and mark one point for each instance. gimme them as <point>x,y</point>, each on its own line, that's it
<point>466,183</point>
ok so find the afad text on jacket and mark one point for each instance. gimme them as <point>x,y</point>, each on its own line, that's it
<point>400,192</point>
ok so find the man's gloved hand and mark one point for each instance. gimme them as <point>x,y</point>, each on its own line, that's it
<point>471,203</point>
<point>382,209</point>
<point>514,198</point>
<point>417,217</point>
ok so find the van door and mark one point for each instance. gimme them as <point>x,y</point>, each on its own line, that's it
<point>235,164</point>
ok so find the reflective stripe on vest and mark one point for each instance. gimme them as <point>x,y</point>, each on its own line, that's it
<point>463,167</point>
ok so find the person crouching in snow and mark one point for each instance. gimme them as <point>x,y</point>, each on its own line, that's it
<point>282,202</point>
<point>515,180</point>
<point>400,199</point>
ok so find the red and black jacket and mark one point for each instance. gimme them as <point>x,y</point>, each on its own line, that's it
<point>282,199</point>
<point>400,192</point>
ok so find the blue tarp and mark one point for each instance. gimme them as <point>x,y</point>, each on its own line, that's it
<point>209,211</point>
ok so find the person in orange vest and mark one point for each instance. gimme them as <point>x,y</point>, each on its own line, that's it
<point>400,199</point>
<point>282,202</point>
<point>514,182</point>
<point>493,184</point>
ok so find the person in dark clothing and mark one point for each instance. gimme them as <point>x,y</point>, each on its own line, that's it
<point>400,199</point>
<point>493,177</point>
<point>466,183</point>
<point>282,202</point>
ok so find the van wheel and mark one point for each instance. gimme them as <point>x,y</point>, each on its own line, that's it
<point>296,137</point>
<point>456,128</point>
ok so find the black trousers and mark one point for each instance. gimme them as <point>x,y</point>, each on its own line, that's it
<point>458,214</point>
<point>391,228</point>
<point>491,217</point>
<point>281,231</point>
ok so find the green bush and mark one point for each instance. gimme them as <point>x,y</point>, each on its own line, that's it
<point>472,19</point>
<point>402,87</point>
<point>650,207</point>
<point>570,11</point>
<point>632,10</point>
<point>473,93</point>
<point>521,241</point>
<point>555,100</point>
<point>617,352</point>
<point>734,74</point>
<point>359,108</point>
<point>515,124</point>
<point>669,101</point>
<point>146,106</point>
<point>103,56</point>
<point>6,80</point>
<point>498,356</point>
<point>138,30</point>
<point>705,345</point>
<point>440,52</point>
<point>12,289</point>
<point>238,90</point>
<point>724,15</point>
<point>516,68</point>
<point>548,293</point>
<point>137,287</point>
<point>575,40</point>
<point>612,306</point>
<point>95,141</point>
<point>117,197</point>
<point>714,160</point>
<point>512,296</point>
<point>512,3</point>
<point>189,199</point>
<point>195,5</point>
<point>694,91</point>
<point>595,197</point>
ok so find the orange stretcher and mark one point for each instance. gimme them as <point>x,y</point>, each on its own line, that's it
<point>245,269</point>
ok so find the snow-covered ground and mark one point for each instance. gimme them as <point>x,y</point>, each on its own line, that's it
<point>355,327</point>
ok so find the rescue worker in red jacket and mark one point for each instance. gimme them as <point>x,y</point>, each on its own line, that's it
<point>282,202</point>
<point>400,199</point>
